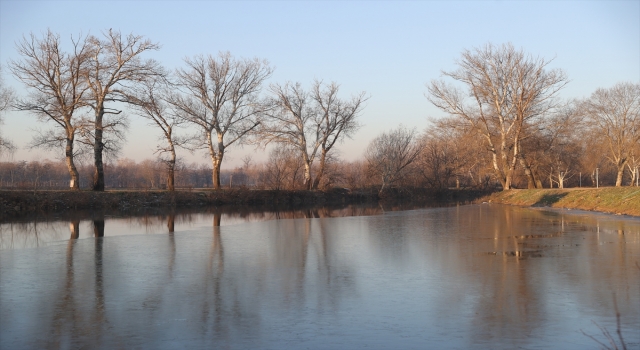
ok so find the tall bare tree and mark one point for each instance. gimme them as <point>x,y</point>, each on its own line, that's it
<point>291,123</point>
<point>506,90</point>
<point>149,100</point>
<point>614,115</point>
<point>337,120</point>
<point>57,89</point>
<point>6,99</point>
<point>115,65</point>
<point>389,155</point>
<point>221,98</point>
<point>311,123</point>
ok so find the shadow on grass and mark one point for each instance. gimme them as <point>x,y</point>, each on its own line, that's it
<point>549,199</point>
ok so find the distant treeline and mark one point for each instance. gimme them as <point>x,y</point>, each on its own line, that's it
<point>278,173</point>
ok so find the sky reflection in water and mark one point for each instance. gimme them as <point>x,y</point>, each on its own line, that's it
<point>476,276</point>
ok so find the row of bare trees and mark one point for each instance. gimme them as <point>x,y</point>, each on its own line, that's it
<point>504,122</point>
<point>506,102</point>
<point>80,89</point>
<point>438,165</point>
<point>85,90</point>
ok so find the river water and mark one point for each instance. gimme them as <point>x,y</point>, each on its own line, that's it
<point>466,277</point>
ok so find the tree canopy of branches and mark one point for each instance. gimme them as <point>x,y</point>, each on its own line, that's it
<point>446,154</point>
<point>390,154</point>
<point>6,98</point>
<point>113,67</point>
<point>311,122</point>
<point>221,98</point>
<point>149,101</point>
<point>283,169</point>
<point>507,91</point>
<point>614,116</point>
<point>57,90</point>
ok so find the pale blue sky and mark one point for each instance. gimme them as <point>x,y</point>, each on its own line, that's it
<point>388,49</point>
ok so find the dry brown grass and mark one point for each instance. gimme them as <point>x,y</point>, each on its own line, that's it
<point>615,200</point>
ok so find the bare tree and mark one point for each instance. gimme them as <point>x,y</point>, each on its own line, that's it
<point>149,100</point>
<point>291,123</point>
<point>57,90</point>
<point>633,165</point>
<point>389,155</point>
<point>614,115</point>
<point>311,122</point>
<point>222,100</point>
<point>282,170</point>
<point>6,99</point>
<point>507,90</point>
<point>548,149</point>
<point>114,65</point>
<point>337,120</point>
<point>446,155</point>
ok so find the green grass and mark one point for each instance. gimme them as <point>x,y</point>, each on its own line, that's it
<point>616,200</point>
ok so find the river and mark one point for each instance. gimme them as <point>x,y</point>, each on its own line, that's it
<point>481,276</point>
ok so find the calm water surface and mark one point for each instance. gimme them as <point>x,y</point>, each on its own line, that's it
<point>475,276</point>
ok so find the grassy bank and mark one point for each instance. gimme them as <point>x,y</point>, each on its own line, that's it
<point>615,200</point>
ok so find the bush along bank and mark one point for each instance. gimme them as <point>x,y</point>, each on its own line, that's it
<point>614,200</point>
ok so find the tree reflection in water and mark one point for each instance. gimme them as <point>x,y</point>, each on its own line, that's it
<point>471,276</point>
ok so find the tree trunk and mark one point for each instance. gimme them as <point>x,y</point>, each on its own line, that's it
<point>216,161</point>
<point>170,177</point>
<point>171,170</point>
<point>74,183</point>
<point>511,166</point>
<point>307,175</point>
<point>560,181</point>
<point>323,160</point>
<point>384,183</point>
<point>619,176</point>
<point>507,182</point>
<point>496,168</point>
<point>531,180</point>
<point>216,175</point>
<point>98,146</point>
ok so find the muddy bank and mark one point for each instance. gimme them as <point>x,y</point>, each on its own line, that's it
<point>16,204</point>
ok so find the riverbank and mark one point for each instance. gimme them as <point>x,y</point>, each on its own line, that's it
<point>21,203</point>
<point>614,200</point>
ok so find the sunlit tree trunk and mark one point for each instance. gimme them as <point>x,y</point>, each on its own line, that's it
<point>320,174</point>
<point>74,182</point>
<point>98,147</point>
<point>171,166</point>
<point>620,174</point>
